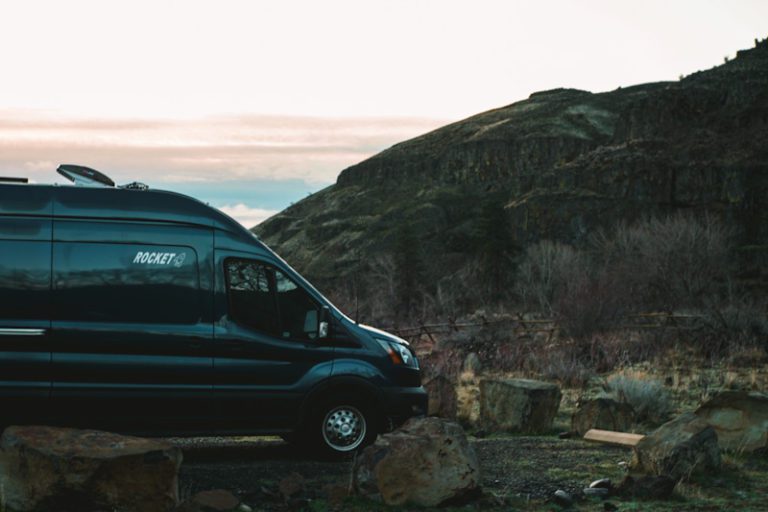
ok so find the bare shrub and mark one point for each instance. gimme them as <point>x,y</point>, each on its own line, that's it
<point>458,293</point>
<point>562,281</point>
<point>648,397</point>
<point>590,304</point>
<point>669,263</point>
<point>736,323</point>
<point>546,271</point>
<point>565,365</point>
<point>614,350</point>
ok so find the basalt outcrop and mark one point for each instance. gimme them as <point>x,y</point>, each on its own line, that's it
<point>562,162</point>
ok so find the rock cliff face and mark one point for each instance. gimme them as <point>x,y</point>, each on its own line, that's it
<point>563,163</point>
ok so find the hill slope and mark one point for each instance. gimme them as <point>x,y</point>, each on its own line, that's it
<point>562,163</point>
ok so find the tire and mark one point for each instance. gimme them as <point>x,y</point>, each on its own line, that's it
<point>342,426</point>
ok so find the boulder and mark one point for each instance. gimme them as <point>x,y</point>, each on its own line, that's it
<point>740,419</point>
<point>518,405</point>
<point>442,397</point>
<point>426,462</point>
<point>47,468</point>
<point>563,499</point>
<point>603,414</point>
<point>678,449</point>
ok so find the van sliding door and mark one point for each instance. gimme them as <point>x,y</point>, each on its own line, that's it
<point>131,325</point>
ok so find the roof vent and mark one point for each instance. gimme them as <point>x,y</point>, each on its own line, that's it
<point>84,176</point>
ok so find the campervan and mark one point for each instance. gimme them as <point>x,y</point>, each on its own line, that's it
<point>147,311</point>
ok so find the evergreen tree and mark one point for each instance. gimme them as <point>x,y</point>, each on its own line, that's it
<point>496,249</point>
<point>410,271</point>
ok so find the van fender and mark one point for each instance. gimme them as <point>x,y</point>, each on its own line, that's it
<point>338,385</point>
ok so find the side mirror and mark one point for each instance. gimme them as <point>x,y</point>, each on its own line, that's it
<point>323,327</point>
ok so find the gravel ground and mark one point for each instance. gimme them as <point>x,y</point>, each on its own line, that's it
<point>516,467</point>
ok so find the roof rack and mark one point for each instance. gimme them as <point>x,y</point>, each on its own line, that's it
<point>8,179</point>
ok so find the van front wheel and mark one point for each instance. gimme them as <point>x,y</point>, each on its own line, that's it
<point>342,427</point>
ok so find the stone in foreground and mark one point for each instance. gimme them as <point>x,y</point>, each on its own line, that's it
<point>426,462</point>
<point>563,499</point>
<point>518,405</point>
<point>47,468</point>
<point>603,414</point>
<point>678,449</point>
<point>740,419</point>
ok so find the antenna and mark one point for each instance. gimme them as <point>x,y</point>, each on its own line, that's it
<point>84,176</point>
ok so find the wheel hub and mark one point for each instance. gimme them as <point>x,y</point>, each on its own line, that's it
<point>344,428</point>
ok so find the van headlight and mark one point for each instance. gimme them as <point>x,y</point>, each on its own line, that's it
<point>399,354</point>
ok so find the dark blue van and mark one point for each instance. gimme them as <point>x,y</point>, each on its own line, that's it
<point>148,311</point>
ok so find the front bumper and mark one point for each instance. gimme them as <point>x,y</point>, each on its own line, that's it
<point>399,404</point>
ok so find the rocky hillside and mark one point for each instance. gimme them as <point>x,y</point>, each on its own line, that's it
<point>562,163</point>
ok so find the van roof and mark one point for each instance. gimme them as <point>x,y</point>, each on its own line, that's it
<point>66,201</point>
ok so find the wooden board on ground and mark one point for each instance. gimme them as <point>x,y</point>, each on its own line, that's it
<point>611,437</point>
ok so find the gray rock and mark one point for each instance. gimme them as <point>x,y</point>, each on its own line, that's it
<point>426,462</point>
<point>42,466</point>
<point>603,483</point>
<point>678,449</point>
<point>740,419</point>
<point>563,499</point>
<point>596,492</point>
<point>602,413</point>
<point>518,405</point>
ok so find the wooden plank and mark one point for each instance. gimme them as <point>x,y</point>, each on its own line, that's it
<point>611,437</point>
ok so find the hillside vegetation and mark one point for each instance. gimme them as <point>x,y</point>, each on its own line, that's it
<point>576,206</point>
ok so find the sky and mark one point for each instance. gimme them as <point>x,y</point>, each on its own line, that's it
<point>251,105</point>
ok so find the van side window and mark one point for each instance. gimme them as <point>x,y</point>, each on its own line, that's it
<point>251,299</point>
<point>111,282</point>
<point>265,299</point>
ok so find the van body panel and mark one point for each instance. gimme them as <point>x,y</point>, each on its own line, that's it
<point>27,200</point>
<point>25,308</point>
<point>131,333</point>
<point>147,205</point>
<point>117,311</point>
<point>263,374</point>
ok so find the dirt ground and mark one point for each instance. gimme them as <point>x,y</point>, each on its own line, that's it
<point>523,468</point>
<point>518,473</point>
